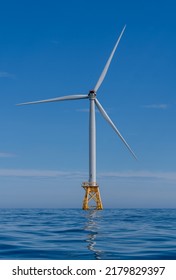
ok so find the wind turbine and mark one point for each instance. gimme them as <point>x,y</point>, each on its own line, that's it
<point>91,187</point>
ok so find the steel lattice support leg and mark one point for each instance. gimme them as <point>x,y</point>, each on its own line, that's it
<point>92,194</point>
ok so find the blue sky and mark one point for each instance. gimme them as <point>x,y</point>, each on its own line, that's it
<point>56,48</point>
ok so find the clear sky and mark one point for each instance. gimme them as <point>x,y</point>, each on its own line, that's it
<point>56,48</point>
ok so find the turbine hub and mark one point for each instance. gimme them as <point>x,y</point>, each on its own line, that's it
<point>92,94</point>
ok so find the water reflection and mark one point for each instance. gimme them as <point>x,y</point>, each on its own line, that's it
<point>92,225</point>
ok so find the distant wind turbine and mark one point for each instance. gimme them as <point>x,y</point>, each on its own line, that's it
<point>91,187</point>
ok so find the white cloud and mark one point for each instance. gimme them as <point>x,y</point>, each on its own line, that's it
<point>6,155</point>
<point>55,42</point>
<point>38,173</point>
<point>171,176</point>
<point>86,110</point>
<point>157,106</point>
<point>6,75</point>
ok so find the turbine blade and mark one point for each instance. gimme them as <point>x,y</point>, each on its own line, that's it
<point>103,74</point>
<point>63,98</point>
<point>107,118</point>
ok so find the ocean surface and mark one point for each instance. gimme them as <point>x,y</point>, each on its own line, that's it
<point>74,234</point>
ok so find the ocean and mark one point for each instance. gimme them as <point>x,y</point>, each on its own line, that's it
<point>74,234</point>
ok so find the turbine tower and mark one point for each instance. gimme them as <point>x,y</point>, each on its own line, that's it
<point>91,187</point>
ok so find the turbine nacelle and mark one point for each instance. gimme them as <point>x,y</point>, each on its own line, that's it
<point>92,94</point>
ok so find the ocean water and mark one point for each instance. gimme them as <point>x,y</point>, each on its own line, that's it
<point>72,234</point>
